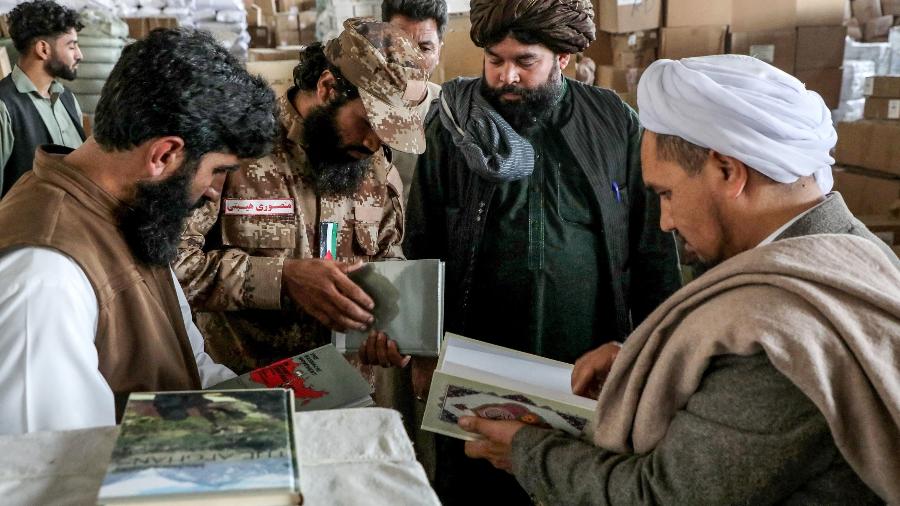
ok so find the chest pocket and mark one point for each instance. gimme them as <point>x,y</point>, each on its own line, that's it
<point>575,198</point>
<point>259,232</point>
<point>365,229</point>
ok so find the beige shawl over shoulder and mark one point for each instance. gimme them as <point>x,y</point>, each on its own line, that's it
<point>826,311</point>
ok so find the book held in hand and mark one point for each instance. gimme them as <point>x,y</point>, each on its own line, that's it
<point>204,448</point>
<point>318,379</point>
<point>474,378</point>
<point>409,305</point>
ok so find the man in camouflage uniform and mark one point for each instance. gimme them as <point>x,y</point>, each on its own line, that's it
<point>265,269</point>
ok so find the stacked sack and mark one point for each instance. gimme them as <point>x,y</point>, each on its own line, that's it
<point>227,21</point>
<point>101,41</point>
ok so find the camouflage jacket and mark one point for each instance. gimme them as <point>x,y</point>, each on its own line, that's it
<point>232,252</point>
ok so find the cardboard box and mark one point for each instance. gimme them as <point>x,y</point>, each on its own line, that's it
<point>882,108</point>
<point>621,49</point>
<point>260,36</point>
<point>273,54</point>
<point>5,65</point>
<point>877,29</point>
<point>255,16</point>
<point>138,28</point>
<point>279,74</point>
<point>864,10</point>
<point>619,80</point>
<point>697,13</point>
<point>822,12</point>
<point>885,226</point>
<point>864,193</point>
<point>883,86</point>
<point>820,47</point>
<point>763,15</point>
<point>4,26</point>
<point>870,144</point>
<point>630,59</point>
<point>623,16</point>
<point>890,7</point>
<point>825,82</point>
<point>268,7</point>
<point>297,5</point>
<point>687,42</point>
<point>777,48</point>
<point>854,31</point>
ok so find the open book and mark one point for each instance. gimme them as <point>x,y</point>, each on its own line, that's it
<point>409,305</point>
<point>319,379</point>
<point>204,448</point>
<point>474,378</point>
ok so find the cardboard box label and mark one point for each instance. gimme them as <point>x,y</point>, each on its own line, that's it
<point>894,109</point>
<point>764,52</point>
<point>870,86</point>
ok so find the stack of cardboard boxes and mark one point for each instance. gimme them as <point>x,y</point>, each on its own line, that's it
<point>627,42</point>
<point>281,23</point>
<point>868,157</point>
<point>873,19</point>
<point>801,37</point>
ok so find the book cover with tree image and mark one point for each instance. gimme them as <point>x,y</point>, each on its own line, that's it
<point>234,447</point>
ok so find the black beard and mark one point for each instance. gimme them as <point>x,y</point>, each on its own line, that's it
<point>336,172</point>
<point>154,219</point>
<point>534,104</point>
<point>59,70</point>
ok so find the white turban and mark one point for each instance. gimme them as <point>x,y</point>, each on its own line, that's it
<point>744,108</point>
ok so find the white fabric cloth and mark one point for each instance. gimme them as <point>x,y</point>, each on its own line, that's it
<point>346,457</point>
<point>49,377</point>
<point>743,108</point>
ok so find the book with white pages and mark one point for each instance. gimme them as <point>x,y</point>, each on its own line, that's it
<point>409,305</point>
<point>474,378</point>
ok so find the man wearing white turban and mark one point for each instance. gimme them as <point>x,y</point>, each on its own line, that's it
<point>771,378</point>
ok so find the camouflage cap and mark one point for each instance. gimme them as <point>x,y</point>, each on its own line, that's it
<point>391,75</point>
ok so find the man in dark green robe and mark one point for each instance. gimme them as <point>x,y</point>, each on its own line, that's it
<point>531,190</point>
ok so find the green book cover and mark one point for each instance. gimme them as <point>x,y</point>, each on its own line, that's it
<point>474,378</point>
<point>194,447</point>
<point>319,379</point>
<point>409,305</point>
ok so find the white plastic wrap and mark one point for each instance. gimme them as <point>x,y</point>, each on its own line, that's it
<point>851,110</point>
<point>204,15</point>
<point>231,16</point>
<point>876,52</point>
<point>853,83</point>
<point>148,12</point>
<point>158,4</point>
<point>894,43</point>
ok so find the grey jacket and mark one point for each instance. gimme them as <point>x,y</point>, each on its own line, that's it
<point>747,436</point>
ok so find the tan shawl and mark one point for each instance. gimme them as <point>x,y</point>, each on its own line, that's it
<point>826,311</point>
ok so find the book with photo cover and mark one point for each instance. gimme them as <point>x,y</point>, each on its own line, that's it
<point>474,378</point>
<point>409,305</point>
<point>205,448</point>
<point>319,379</point>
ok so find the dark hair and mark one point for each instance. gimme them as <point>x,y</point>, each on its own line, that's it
<point>309,70</point>
<point>688,155</point>
<point>182,82</point>
<point>419,10</point>
<point>40,18</point>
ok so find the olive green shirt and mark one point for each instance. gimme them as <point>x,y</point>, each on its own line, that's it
<point>52,111</point>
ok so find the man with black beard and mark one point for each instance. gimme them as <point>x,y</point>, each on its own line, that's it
<point>35,108</point>
<point>531,190</point>
<point>90,309</point>
<point>266,268</point>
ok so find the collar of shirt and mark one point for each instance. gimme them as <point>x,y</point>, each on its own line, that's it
<point>774,235</point>
<point>24,85</point>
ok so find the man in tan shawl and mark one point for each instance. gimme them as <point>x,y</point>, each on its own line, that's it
<point>775,376</point>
